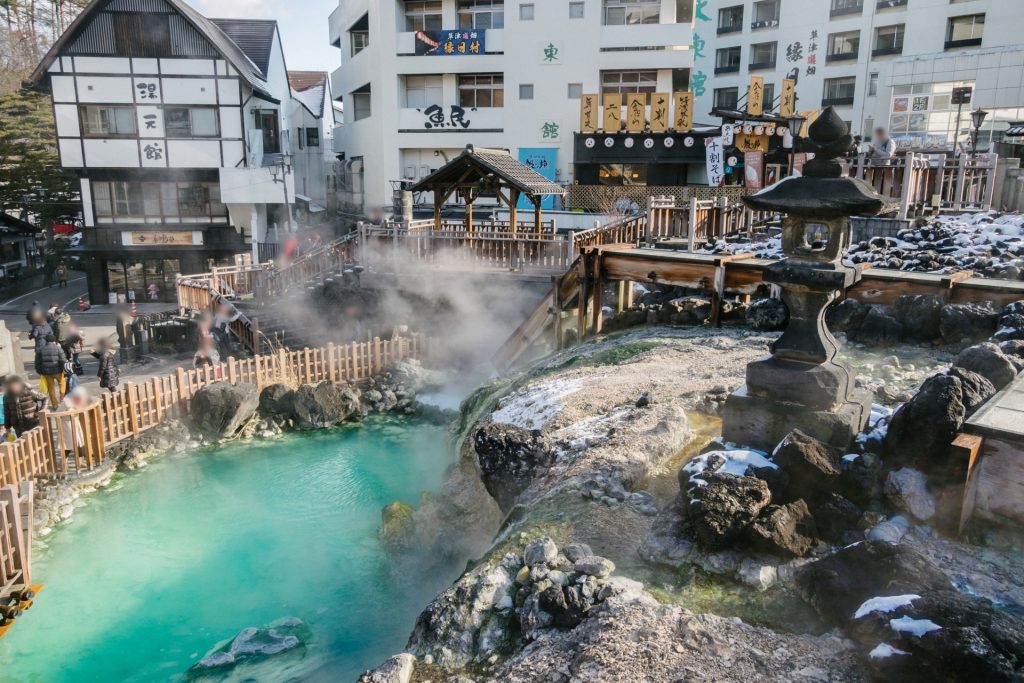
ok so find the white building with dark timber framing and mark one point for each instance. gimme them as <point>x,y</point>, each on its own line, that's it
<point>182,130</point>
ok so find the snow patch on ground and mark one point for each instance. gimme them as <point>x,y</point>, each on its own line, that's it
<point>883,650</point>
<point>737,462</point>
<point>915,627</point>
<point>534,406</point>
<point>878,425</point>
<point>884,604</point>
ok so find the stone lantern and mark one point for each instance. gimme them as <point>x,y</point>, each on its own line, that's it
<point>802,384</point>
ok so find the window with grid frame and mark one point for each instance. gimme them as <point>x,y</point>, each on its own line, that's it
<point>629,12</point>
<point>764,54</point>
<point>847,6</point>
<point>423,15</point>
<point>728,59</point>
<point>730,19</point>
<point>482,14</point>
<point>727,98</point>
<point>481,90</point>
<point>889,39</point>
<point>104,121</point>
<point>845,44</point>
<point>626,82</point>
<point>423,91</point>
<point>577,10</point>
<point>527,12</point>
<point>969,27</point>
<point>191,122</point>
<point>156,200</point>
<point>766,11</point>
<point>360,41</point>
<point>769,96</point>
<point>841,89</point>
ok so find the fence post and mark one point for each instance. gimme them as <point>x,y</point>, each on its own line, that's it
<point>332,365</point>
<point>649,236</point>
<point>232,370</point>
<point>133,415</point>
<point>908,179</point>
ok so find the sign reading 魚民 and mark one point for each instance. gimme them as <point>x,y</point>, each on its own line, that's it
<point>451,43</point>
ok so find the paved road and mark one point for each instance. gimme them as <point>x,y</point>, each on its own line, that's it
<point>66,297</point>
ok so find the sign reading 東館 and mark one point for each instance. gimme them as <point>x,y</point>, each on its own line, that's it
<point>452,42</point>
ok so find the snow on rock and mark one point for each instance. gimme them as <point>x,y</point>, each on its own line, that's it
<point>884,650</point>
<point>884,604</point>
<point>534,406</point>
<point>737,461</point>
<point>915,627</point>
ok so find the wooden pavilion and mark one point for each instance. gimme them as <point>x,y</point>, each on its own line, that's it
<point>481,172</point>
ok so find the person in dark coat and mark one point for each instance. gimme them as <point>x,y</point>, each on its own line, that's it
<point>74,343</point>
<point>22,405</point>
<point>110,366</point>
<point>40,329</point>
<point>35,308</point>
<point>50,361</point>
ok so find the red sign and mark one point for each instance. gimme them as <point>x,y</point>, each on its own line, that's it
<point>753,171</point>
<point>63,228</point>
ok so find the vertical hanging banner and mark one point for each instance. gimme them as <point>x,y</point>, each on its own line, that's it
<point>753,171</point>
<point>787,104</point>
<point>636,112</point>
<point>684,111</point>
<point>755,96</point>
<point>543,160</point>
<point>612,113</point>
<point>588,113</point>
<point>659,112</point>
<point>714,152</point>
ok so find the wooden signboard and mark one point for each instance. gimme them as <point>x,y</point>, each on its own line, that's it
<point>684,111</point>
<point>589,112</point>
<point>636,112</point>
<point>755,96</point>
<point>659,112</point>
<point>162,239</point>
<point>612,113</point>
<point>751,143</point>
<point>787,103</point>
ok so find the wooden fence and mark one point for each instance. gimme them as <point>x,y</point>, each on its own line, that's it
<point>71,442</point>
<point>15,538</point>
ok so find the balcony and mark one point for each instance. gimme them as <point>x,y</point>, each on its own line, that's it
<point>764,23</point>
<point>842,57</point>
<point>959,44</point>
<point>727,69</point>
<point>887,51</point>
<point>845,9</point>
<point>761,66</point>
<point>837,101</point>
<point>890,4</point>
<point>732,28</point>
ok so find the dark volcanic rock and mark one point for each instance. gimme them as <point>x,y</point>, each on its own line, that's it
<point>810,464</point>
<point>836,518</point>
<point>989,361</point>
<point>323,405</point>
<point>768,315</point>
<point>922,429</point>
<point>720,511</point>
<point>861,479</point>
<point>846,315</point>
<point>975,389</point>
<point>220,410</point>
<point>967,323</point>
<point>879,328</point>
<point>920,316</point>
<point>784,530</point>
<point>565,604</point>
<point>837,585</point>
<point>277,400</point>
<point>510,458</point>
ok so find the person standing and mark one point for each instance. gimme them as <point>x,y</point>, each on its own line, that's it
<point>882,147</point>
<point>60,325</point>
<point>50,361</point>
<point>74,343</point>
<point>22,405</point>
<point>62,274</point>
<point>222,329</point>
<point>109,371</point>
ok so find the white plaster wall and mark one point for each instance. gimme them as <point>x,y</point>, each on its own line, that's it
<point>189,90</point>
<point>66,118</point>
<point>111,153</point>
<point>193,153</point>
<point>105,90</point>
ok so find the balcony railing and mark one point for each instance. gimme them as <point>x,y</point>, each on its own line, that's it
<point>761,66</point>
<point>890,4</point>
<point>764,23</point>
<point>966,42</point>
<point>842,56</point>
<point>845,9</point>
<point>887,51</point>
<point>731,28</point>
<point>727,69</point>
<point>837,101</point>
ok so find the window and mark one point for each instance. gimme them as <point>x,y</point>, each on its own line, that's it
<point>727,60</point>
<point>267,121</point>
<point>423,15</point>
<point>873,84</point>
<point>142,34</point>
<point>526,91</point>
<point>191,122</point>
<point>762,55</point>
<point>727,98</point>
<point>625,82</point>
<point>766,14</point>
<point>526,12</point>
<point>154,202</point>
<point>312,137</point>
<point>889,40</point>
<point>622,174</point>
<point>576,10</point>
<point>769,96</point>
<point>839,91</point>
<point>890,4</point>
<point>361,103</point>
<point>845,7</point>
<point>965,31</point>
<point>842,46</point>
<point>360,41</point>
<point>481,90</point>
<point>102,121</point>
<point>627,12</point>
<point>482,14</point>
<point>730,19</point>
<point>423,91</point>
<point>575,91</point>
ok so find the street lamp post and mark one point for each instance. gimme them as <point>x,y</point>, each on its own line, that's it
<point>978,117</point>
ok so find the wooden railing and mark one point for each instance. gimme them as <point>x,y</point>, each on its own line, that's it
<point>15,538</point>
<point>70,442</point>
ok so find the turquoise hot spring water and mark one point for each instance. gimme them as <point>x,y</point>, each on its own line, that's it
<point>152,573</point>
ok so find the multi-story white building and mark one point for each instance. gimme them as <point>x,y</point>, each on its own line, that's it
<point>421,79</point>
<point>312,116</point>
<point>888,63</point>
<point>181,129</point>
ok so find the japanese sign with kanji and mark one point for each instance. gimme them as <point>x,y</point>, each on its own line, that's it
<point>612,113</point>
<point>755,96</point>
<point>589,113</point>
<point>451,43</point>
<point>715,154</point>
<point>436,117</point>
<point>636,112</point>
<point>684,111</point>
<point>787,103</point>
<point>659,112</point>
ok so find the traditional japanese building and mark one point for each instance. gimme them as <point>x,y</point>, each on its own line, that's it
<point>182,130</point>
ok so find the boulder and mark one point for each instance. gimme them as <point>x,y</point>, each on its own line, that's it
<point>398,527</point>
<point>989,361</point>
<point>920,315</point>
<point>220,410</point>
<point>846,315</point>
<point>975,389</point>
<point>510,458</point>
<point>576,551</point>
<point>811,465</point>
<point>878,328</point>
<point>397,669</point>
<point>1014,348</point>
<point>541,552</point>
<point>254,644</point>
<point>967,323</point>
<point>324,405</point>
<point>907,489</point>
<point>861,479</point>
<point>566,605</point>
<point>720,511</point>
<point>923,428</point>
<point>768,315</point>
<point>836,519</point>
<point>594,565</point>
<point>837,585</point>
<point>787,530</point>
<point>277,401</point>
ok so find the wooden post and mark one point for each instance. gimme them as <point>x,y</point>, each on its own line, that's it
<point>438,199</point>
<point>598,315</point>
<point>232,371</point>
<point>620,297</point>
<point>908,180</point>
<point>649,236</point>
<point>9,496</point>
<point>133,414</point>
<point>513,200</point>
<point>332,363</point>
<point>961,175</point>
<point>718,294</point>
<point>691,232</point>
<point>556,299</point>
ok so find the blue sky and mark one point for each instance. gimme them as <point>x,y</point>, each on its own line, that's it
<point>303,25</point>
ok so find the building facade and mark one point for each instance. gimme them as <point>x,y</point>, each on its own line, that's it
<point>881,63</point>
<point>181,129</point>
<point>421,79</point>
